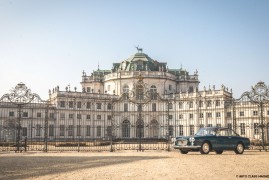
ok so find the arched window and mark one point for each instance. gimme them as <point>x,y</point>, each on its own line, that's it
<point>139,128</point>
<point>125,90</point>
<point>126,129</point>
<point>139,92</point>
<point>154,129</point>
<point>153,92</point>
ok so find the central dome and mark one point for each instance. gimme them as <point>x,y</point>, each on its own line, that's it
<point>139,62</point>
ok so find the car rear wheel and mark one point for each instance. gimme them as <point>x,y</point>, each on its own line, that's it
<point>239,148</point>
<point>205,148</point>
<point>219,151</point>
<point>183,151</point>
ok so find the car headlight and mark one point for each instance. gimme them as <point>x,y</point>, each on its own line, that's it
<point>192,139</point>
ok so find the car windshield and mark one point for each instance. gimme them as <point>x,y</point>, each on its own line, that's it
<point>204,132</point>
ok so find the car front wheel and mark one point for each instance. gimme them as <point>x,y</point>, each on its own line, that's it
<point>183,151</point>
<point>205,148</point>
<point>239,148</point>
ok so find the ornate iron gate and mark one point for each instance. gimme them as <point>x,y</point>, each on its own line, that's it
<point>140,119</point>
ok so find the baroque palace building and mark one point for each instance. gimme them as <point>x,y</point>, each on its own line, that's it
<point>138,98</point>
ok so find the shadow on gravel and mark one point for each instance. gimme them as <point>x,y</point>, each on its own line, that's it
<point>26,167</point>
<point>214,154</point>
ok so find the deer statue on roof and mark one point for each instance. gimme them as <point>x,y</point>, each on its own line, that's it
<point>139,49</point>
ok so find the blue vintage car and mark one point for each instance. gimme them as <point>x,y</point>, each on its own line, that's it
<point>212,139</point>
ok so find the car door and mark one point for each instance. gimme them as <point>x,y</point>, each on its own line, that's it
<point>233,139</point>
<point>223,139</point>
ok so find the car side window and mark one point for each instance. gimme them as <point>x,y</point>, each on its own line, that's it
<point>223,132</point>
<point>232,133</point>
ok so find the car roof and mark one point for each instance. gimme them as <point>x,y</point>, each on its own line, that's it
<point>215,128</point>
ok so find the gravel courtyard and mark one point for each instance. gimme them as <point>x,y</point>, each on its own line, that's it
<point>134,165</point>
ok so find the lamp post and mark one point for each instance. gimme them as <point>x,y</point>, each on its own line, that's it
<point>259,95</point>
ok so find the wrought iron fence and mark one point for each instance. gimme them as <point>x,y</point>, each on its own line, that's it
<point>138,120</point>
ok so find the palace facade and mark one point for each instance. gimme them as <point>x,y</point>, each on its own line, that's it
<point>138,98</point>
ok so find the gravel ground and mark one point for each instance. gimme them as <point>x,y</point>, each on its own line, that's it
<point>134,165</point>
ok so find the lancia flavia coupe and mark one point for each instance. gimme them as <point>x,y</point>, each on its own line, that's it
<point>212,139</point>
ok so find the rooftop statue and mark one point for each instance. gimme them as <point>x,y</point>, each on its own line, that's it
<point>139,49</point>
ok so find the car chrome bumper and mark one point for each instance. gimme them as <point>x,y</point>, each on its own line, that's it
<point>187,147</point>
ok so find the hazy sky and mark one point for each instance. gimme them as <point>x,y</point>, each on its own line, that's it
<point>45,43</point>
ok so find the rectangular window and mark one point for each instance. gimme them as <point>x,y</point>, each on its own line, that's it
<point>229,114</point>
<point>255,113</point>
<point>11,114</point>
<point>191,130</point>
<point>51,130</point>
<point>25,114</point>
<point>181,116</point>
<point>98,131</point>
<point>170,116</point>
<point>170,106</point>
<point>62,104</point>
<point>218,114</point>
<point>191,116</point>
<point>62,116</point>
<point>70,130</point>
<point>209,125</point>
<point>98,105</point>
<point>217,102</point>
<point>241,113</point>
<point>109,106</point>
<point>88,105</point>
<point>201,115</point>
<point>62,130</point>
<point>109,117</point>
<point>209,115</point>
<point>171,130</point>
<point>88,130</point>
<point>78,105</point>
<point>99,117</point>
<point>109,131</point>
<point>154,107</point>
<point>71,116</point>
<point>38,130</point>
<point>38,114</point>
<point>24,131</point>
<point>71,104</point>
<point>230,125</point>
<point>78,130</point>
<point>88,116</point>
<point>201,103</point>
<point>209,103</point>
<point>125,107</point>
<point>180,105</point>
<point>51,115</point>
<point>218,125</point>
<point>88,89</point>
<point>256,128</point>
<point>181,130</point>
<point>242,128</point>
<point>78,116</point>
<point>191,105</point>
